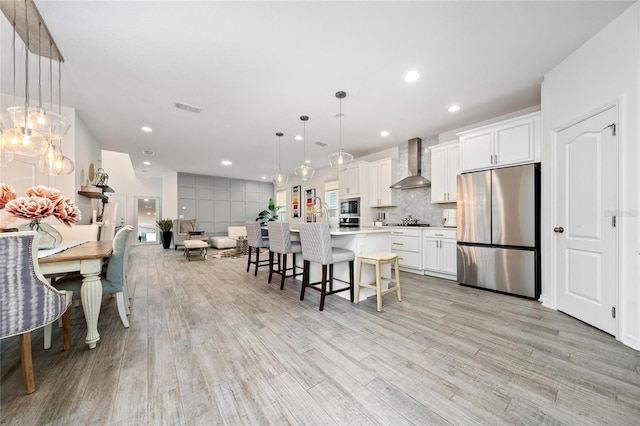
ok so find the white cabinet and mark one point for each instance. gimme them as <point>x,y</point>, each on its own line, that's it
<point>445,167</point>
<point>382,175</point>
<point>408,245</point>
<point>440,257</point>
<point>354,181</point>
<point>506,143</point>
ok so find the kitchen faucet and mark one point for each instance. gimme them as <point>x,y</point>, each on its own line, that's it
<point>319,209</point>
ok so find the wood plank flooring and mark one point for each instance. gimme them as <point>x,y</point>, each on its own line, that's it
<point>211,344</point>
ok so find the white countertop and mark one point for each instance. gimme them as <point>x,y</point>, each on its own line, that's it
<point>413,227</point>
<point>356,231</point>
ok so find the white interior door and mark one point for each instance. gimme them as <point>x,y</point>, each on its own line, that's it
<point>585,229</point>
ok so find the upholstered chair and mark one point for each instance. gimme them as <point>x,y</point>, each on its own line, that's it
<point>316,247</point>
<point>114,281</point>
<point>181,229</point>
<point>78,232</point>
<point>27,301</point>
<point>257,241</point>
<point>280,243</point>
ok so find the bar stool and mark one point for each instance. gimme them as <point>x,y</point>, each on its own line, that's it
<point>256,240</point>
<point>316,247</point>
<point>280,242</point>
<point>378,259</point>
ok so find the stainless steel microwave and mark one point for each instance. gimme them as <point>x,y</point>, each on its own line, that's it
<point>350,207</point>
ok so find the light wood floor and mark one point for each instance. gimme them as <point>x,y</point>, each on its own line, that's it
<point>211,344</point>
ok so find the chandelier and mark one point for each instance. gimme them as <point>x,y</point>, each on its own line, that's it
<point>34,129</point>
<point>304,171</point>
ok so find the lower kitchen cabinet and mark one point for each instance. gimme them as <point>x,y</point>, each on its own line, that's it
<point>408,245</point>
<point>439,249</point>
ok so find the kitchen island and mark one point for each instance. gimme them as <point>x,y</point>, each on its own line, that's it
<point>359,240</point>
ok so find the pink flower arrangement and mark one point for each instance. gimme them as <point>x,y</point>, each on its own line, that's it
<point>7,194</point>
<point>41,202</point>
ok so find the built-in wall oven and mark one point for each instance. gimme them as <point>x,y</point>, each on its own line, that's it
<point>350,207</point>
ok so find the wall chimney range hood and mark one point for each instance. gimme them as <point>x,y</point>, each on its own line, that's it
<point>415,179</point>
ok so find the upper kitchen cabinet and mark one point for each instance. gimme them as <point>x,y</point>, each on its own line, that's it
<point>382,174</point>
<point>445,166</point>
<point>353,182</point>
<point>506,143</point>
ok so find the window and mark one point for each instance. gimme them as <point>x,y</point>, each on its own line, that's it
<point>281,201</point>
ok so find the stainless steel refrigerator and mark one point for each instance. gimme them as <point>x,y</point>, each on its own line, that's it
<point>498,230</point>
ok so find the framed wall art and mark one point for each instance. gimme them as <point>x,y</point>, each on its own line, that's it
<point>295,201</point>
<point>309,195</point>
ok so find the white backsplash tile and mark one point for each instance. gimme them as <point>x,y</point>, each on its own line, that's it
<point>416,202</point>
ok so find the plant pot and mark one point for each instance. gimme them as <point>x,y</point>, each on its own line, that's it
<point>165,237</point>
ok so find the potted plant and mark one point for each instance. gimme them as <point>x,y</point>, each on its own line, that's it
<point>165,226</point>
<point>270,214</point>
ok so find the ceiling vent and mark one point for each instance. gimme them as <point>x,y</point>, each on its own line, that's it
<point>320,143</point>
<point>147,152</point>
<point>188,107</point>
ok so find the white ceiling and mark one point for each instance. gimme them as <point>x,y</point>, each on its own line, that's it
<point>255,67</point>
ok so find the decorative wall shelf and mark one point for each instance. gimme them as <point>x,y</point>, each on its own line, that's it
<point>97,195</point>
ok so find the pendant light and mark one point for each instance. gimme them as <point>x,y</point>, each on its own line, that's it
<point>340,160</point>
<point>21,139</point>
<point>304,171</point>
<point>279,179</point>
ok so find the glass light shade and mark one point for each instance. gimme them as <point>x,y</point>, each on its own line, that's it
<point>340,160</point>
<point>6,156</point>
<point>64,166</point>
<point>50,160</point>
<point>304,172</point>
<point>280,179</point>
<point>23,141</point>
<point>47,123</point>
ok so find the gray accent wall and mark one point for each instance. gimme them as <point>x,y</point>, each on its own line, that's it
<point>218,202</point>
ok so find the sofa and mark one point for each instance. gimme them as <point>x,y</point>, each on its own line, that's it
<point>229,240</point>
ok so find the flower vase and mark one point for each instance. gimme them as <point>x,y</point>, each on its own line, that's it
<point>48,236</point>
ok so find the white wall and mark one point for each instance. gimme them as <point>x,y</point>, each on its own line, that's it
<point>170,195</point>
<point>604,70</point>
<point>123,180</point>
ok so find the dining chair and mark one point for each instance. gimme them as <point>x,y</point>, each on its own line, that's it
<point>256,240</point>
<point>280,243</point>
<point>316,247</point>
<point>114,281</point>
<point>27,301</point>
<point>78,232</point>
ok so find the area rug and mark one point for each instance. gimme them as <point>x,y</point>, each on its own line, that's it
<point>233,253</point>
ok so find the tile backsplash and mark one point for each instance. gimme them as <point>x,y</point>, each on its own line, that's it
<point>416,202</point>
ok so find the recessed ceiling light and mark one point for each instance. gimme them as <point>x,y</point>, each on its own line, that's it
<point>384,133</point>
<point>263,177</point>
<point>454,108</point>
<point>411,76</point>
<point>146,129</point>
<point>146,163</point>
<point>298,138</point>
<point>307,161</point>
<point>226,162</point>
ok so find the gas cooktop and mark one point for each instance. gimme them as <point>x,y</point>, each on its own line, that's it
<point>409,224</point>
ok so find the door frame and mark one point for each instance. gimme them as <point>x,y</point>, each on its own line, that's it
<point>549,243</point>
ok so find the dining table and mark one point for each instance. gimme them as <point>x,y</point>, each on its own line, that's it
<point>86,258</point>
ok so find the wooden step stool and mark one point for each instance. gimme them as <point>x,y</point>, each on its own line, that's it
<point>377,259</point>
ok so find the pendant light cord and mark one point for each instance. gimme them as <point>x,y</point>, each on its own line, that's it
<point>340,125</point>
<point>26,64</point>
<point>39,65</point>
<point>279,157</point>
